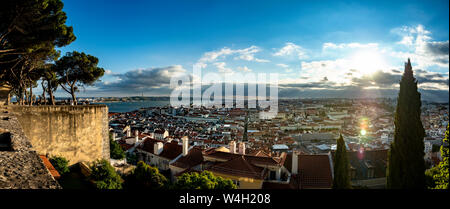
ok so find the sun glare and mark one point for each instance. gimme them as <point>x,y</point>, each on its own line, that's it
<point>363,132</point>
<point>367,62</point>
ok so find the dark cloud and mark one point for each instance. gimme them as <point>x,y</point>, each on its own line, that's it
<point>387,79</point>
<point>438,48</point>
<point>143,80</point>
<point>321,84</point>
<point>355,92</point>
<point>438,51</point>
<point>430,77</point>
<point>155,81</point>
<point>379,78</point>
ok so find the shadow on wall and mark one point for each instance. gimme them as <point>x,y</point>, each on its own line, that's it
<point>78,133</point>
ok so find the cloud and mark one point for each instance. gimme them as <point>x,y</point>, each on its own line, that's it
<point>355,92</point>
<point>421,48</point>
<point>426,80</point>
<point>438,48</point>
<point>286,67</point>
<point>111,73</point>
<point>139,80</point>
<point>293,50</point>
<point>247,54</point>
<point>221,67</point>
<point>244,69</point>
<point>353,45</point>
<point>283,65</point>
<point>379,78</point>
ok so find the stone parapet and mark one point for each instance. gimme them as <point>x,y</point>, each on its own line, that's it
<point>20,165</point>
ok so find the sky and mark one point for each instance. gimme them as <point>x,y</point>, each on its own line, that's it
<point>318,48</point>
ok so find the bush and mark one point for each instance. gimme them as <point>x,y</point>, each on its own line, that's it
<point>204,180</point>
<point>115,150</point>
<point>145,176</point>
<point>104,176</point>
<point>60,164</point>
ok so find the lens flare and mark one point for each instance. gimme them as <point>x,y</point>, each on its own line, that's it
<point>363,132</point>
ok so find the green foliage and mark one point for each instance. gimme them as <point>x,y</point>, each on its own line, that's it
<point>406,164</point>
<point>204,180</point>
<point>131,158</point>
<point>76,70</point>
<point>145,176</point>
<point>341,166</point>
<point>29,32</point>
<point>115,150</point>
<point>104,176</point>
<point>440,175</point>
<point>429,177</point>
<point>60,164</point>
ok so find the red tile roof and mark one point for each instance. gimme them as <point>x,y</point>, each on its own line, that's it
<point>171,150</point>
<point>314,171</point>
<point>239,166</point>
<point>274,161</point>
<point>50,167</point>
<point>193,158</point>
<point>148,145</point>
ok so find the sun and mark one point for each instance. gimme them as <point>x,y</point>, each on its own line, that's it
<point>363,132</point>
<point>367,61</point>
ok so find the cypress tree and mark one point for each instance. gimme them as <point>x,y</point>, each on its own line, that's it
<point>341,166</point>
<point>406,164</point>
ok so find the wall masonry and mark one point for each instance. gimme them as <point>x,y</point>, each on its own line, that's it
<point>78,133</point>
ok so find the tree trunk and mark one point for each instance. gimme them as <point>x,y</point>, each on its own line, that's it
<point>72,91</point>
<point>20,96</point>
<point>31,95</point>
<point>43,93</point>
<point>51,99</point>
<point>25,96</point>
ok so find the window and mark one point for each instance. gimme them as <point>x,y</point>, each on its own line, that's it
<point>370,173</point>
<point>272,175</point>
<point>237,183</point>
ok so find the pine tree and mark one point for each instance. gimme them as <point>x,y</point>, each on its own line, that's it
<point>406,164</point>
<point>341,166</point>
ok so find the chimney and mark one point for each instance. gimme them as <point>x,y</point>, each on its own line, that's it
<point>157,148</point>
<point>129,132</point>
<point>294,162</point>
<point>241,148</point>
<point>114,136</point>
<point>233,147</point>
<point>185,140</point>
<point>136,132</point>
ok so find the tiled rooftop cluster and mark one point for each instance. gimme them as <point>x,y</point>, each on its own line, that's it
<point>310,127</point>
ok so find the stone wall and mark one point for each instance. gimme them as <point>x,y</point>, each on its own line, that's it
<point>20,165</point>
<point>4,94</point>
<point>78,133</point>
